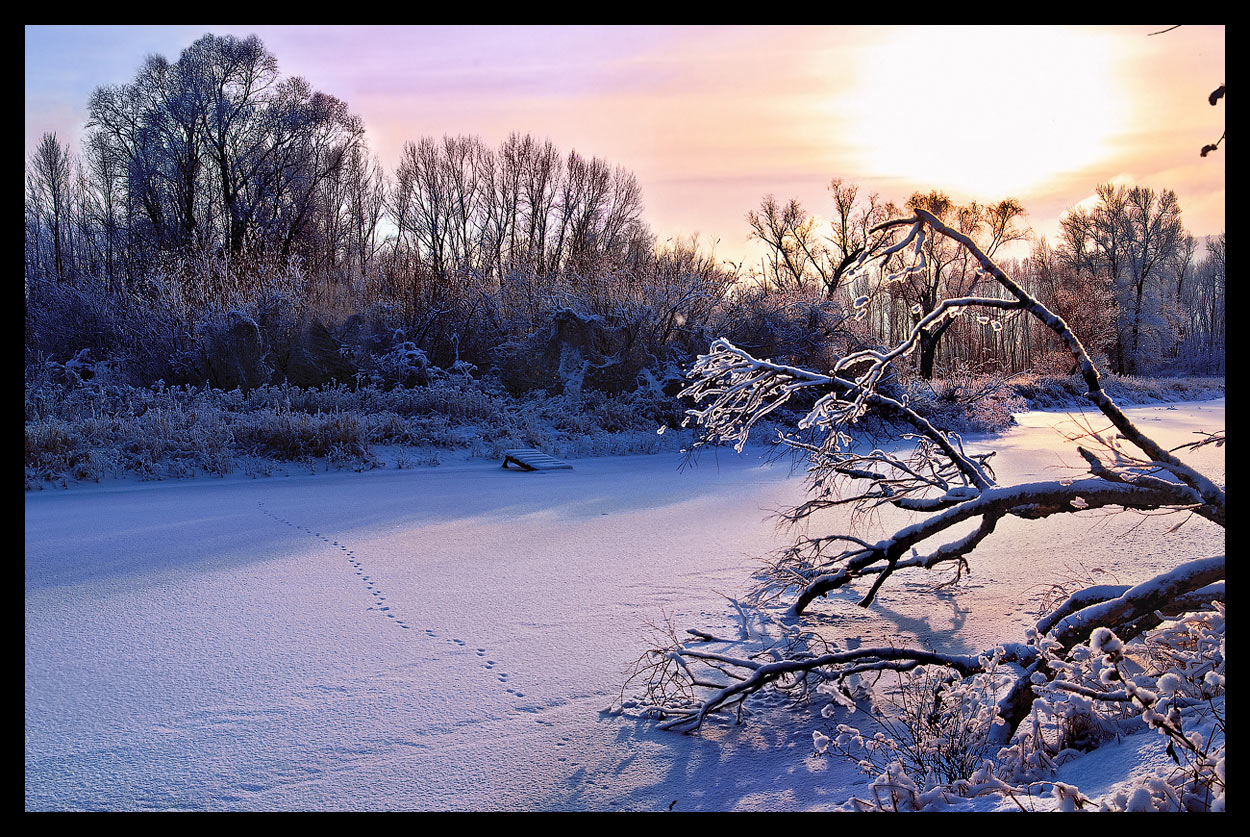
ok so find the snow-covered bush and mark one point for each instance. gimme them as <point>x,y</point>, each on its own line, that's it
<point>931,723</point>
<point>964,402</point>
<point>1175,679</point>
<point>933,738</point>
<point>88,430</point>
<point>1040,391</point>
<point>403,365</point>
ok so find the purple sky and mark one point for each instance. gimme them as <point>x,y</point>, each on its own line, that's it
<point>713,118</point>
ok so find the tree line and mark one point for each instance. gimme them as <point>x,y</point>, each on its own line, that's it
<point>216,152</point>
<point>212,184</point>
<point>1143,294</point>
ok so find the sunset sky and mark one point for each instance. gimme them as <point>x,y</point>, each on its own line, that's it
<point>711,119</point>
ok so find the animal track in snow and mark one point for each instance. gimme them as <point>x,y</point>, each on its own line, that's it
<point>358,568</point>
<point>350,557</point>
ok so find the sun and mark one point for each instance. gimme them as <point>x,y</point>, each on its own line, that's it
<point>986,111</point>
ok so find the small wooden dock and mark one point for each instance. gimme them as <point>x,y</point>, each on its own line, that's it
<point>529,459</point>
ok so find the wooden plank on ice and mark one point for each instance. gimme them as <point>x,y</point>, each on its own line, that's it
<point>529,459</point>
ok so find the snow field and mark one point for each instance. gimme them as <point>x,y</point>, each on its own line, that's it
<point>446,638</point>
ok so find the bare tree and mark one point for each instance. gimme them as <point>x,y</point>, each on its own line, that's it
<point>1084,299</point>
<point>48,190</point>
<point>939,268</point>
<point>852,220</point>
<point>215,151</point>
<point>686,679</point>
<point>798,256</point>
<point>364,207</point>
<point>1204,307</point>
<point>419,204</point>
<point>795,258</point>
<point>146,135</point>
<point>1131,236</point>
<point>1154,231</point>
<point>1182,263</point>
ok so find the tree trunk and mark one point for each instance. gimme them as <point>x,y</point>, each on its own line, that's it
<point>928,352</point>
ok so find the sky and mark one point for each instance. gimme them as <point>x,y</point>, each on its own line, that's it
<point>711,119</point>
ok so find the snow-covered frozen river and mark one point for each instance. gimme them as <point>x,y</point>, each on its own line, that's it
<point>445,638</point>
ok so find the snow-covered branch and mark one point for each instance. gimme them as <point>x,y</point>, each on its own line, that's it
<point>1212,494</point>
<point>831,667</point>
<point>739,390</point>
<point>1138,602</point>
<point>945,486</point>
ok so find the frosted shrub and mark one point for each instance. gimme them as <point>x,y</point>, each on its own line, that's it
<point>288,435</point>
<point>1043,391</point>
<point>933,726</point>
<point>350,456</point>
<point>933,744</point>
<point>85,429</point>
<point>1180,695</point>
<point>893,790</point>
<point>402,365</point>
<point>963,402</point>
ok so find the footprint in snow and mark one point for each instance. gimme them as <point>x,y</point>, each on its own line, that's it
<point>349,556</point>
<point>358,568</point>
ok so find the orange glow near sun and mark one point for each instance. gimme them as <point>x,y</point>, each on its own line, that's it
<point>980,110</point>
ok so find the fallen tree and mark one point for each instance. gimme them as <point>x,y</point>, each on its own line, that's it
<point>686,679</point>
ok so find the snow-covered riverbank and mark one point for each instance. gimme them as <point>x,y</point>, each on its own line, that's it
<point>445,638</point>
